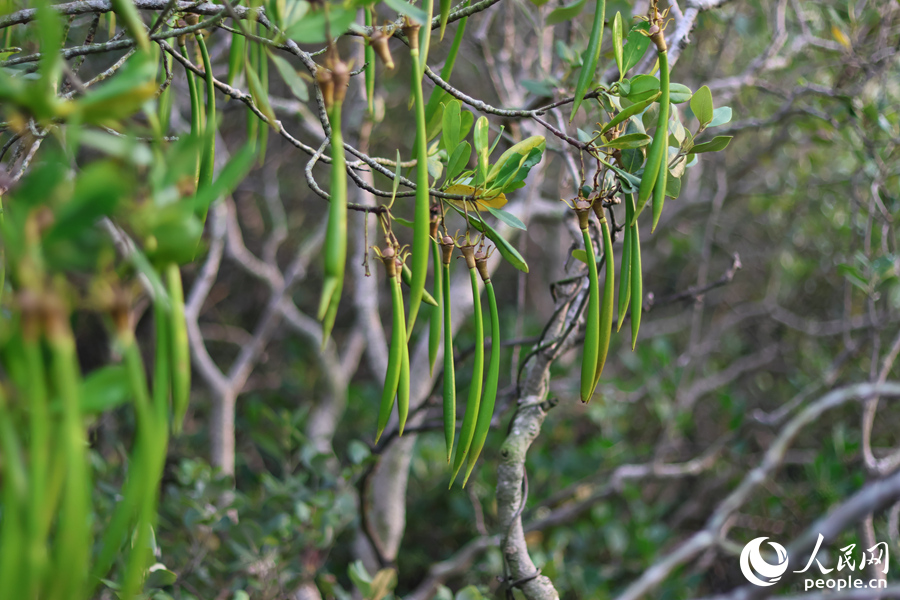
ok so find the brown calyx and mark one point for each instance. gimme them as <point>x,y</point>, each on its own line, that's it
<point>326,83</point>
<point>379,43</point>
<point>447,247</point>
<point>583,210</point>
<point>411,31</point>
<point>469,253</point>
<point>388,257</point>
<point>481,265</point>
<point>340,75</point>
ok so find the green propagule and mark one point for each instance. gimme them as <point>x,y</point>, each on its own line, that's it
<point>333,83</point>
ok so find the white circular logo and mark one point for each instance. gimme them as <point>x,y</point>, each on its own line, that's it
<point>756,569</point>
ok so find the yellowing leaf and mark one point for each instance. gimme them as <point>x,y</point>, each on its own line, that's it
<point>493,200</point>
<point>523,148</point>
<point>840,36</point>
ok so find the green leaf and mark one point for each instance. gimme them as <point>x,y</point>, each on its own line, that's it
<point>260,96</point>
<point>521,150</point>
<point>506,249</point>
<point>360,577</point>
<point>435,167</point>
<point>618,32</point>
<point>508,218</point>
<point>458,160</point>
<point>720,142</point>
<point>565,13</point>
<point>482,148</point>
<point>679,94</point>
<point>591,57</point>
<point>721,116</point>
<point>702,106</point>
<point>311,28</point>
<point>632,110</point>
<point>404,8</point>
<point>402,221</point>
<point>105,388</point>
<point>580,255</point>
<point>450,123</point>
<point>631,140</point>
<point>290,76</point>
<point>643,87</point>
<point>636,45</point>
<point>673,186</point>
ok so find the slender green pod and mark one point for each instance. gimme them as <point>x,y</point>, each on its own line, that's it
<point>39,444</point>
<point>398,341</point>
<point>369,55</point>
<point>252,54</point>
<point>139,556</point>
<point>165,101</point>
<point>473,402</point>
<point>445,14</point>
<point>73,539</point>
<point>659,190</point>
<point>406,276</point>
<point>180,350</point>
<point>263,70</point>
<point>425,37</point>
<point>403,384</point>
<point>208,153</point>
<point>592,316</point>
<point>624,276</point>
<point>608,300</point>
<point>659,148</point>
<point>336,233</point>
<point>637,298</point>
<point>422,215</point>
<point>16,508</point>
<point>236,53</point>
<point>434,101</point>
<point>434,325</point>
<point>591,55</point>
<point>128,12</point>
<point>195,101</point>
<point>486,410</point>
<point>449,400</point>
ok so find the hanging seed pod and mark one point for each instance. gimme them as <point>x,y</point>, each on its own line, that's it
<point>608,299</point>
<point>195,103</point>
<point>422,214</point>
<point>16,509</point>
<point>39,519</point>
<point>398,340</point>
<point>403,384</point>
<point>379,44</point>
<point>447,246</point>
<point>637,299</point>
<point>591,56</point>
<point>369,57</point>
<point>624,276</point>
<point>236,53</point>
<point>659,190</point>
<point>208,153</point>
<point>486,410</point>
<point>73,539</point>
<point>180,350</point>
<point>334,86</point>
<point>473,403</point>
<point>406,277</point>
<point>659,147</point>
<point>434,325</point>
<point>445,14</point>
<point>592,315</point>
